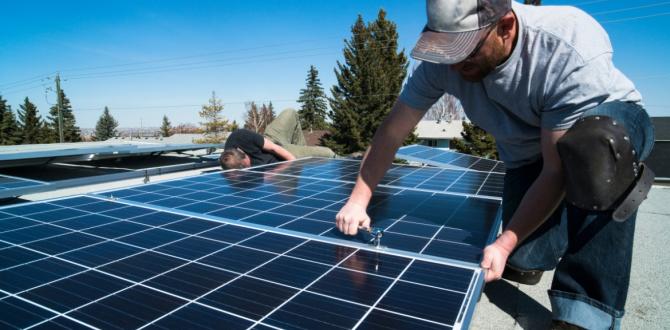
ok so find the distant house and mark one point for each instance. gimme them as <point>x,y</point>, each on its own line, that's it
<point>659,160</point>
<point>313,138</point>
<point>438,134</point>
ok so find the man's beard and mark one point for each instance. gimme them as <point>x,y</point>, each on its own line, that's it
<point>476,71</point>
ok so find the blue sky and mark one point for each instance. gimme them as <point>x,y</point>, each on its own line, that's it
<point>144,59</point>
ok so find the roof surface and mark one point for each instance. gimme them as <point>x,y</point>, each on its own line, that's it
<point>509,305</point>
<point>431,129</point>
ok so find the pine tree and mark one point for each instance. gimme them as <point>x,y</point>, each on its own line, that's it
<point>71,132</point>
<point>166,127</point>
<point>106,126</point>
<point>476,141</point>
<point>30,123</point>
<point>368,84</point>
<point>215,123</point>
<point>313,99</point>
<point>9,130</point>
<point>391,70</point>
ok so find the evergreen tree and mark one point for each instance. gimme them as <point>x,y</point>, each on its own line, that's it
<point>9,130</point>
<point>71,132</point>
<point>369,81</point>
<point>106,126</point>
<point>45,133</point>
<point>313,110</point>
<point>215,123</point>
<point>166,127</point>
<point>476,141</point>
<point>30,123</point>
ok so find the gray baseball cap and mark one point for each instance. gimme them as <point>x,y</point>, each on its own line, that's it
<point>455,27</point>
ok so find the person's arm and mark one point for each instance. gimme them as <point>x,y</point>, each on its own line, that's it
<point>539,202</point>
<point>388,138</point>
<point>276,149</point>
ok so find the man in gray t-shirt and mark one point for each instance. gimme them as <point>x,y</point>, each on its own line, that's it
<point>567,124</point>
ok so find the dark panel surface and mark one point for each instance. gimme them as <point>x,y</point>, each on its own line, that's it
<point>440,157</point>
<point>412,219</point>
<point>206,274</point>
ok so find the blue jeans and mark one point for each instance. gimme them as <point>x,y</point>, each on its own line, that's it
<point>591,252</point>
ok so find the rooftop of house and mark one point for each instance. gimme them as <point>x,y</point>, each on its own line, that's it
<point>313,138</point>
<point>432,129</point>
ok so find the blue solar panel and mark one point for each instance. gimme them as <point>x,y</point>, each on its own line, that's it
<point>8,184</point>
<point>437,224</point>
<point>440,157</point>
<point>452,180</point>
<point>161,269</point>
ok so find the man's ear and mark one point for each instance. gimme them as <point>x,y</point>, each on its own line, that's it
<point>506,25</point>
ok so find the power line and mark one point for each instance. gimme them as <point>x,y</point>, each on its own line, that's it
<point>149,71</point>
<point>189,63</point>
<point>195,66</point>
<point>652,77</point>
<point>25,89</point>
<point>631,8</point>
<point>26,80</point>
<point>590,2</point>
<point>635,18</point>
<point>169,59</point>
<point>139,107</point>
<point>237,50</point>
<point>94,68</point>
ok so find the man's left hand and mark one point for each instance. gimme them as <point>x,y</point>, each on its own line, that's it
<point>494,260</point>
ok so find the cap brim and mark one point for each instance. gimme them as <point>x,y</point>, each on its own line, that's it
<point>446,47</point>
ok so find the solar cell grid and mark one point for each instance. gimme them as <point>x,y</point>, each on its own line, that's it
<point>452,180</point>
<point>446,158</point>
<point>220,275</point>
<point>415,221</point>
<point>9,182</point>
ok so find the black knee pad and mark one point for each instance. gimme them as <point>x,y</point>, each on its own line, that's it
<point>602,171</point>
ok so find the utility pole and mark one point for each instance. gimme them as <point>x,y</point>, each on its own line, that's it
<point>60,107</point>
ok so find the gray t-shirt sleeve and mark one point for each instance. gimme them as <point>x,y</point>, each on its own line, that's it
<point>576,91</point>
<point>423,89</point>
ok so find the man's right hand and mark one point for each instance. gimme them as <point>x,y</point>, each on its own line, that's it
<point>388,138</point>
<point>351,217</point>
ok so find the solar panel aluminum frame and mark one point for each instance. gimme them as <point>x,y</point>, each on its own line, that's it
<point>466,310</point>
<point>69,183</point>
<point>15,192</point>
<point>22,179</point>
<point>94,153</point>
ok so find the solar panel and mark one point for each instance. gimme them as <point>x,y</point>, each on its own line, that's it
<point>446,158</point>
<point>8,184</point>
<point>456,181</point>
<point>451,226</point>
<point>60,175</point>
<point>85,262</point>
<point>37,154</point>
